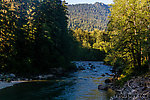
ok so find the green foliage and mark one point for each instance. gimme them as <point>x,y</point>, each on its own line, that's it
<point>122,81</point>
<point>34,36</point>
<point>95,39</point>
<point>88,16</point>
<point>129,32</point>
<point>93,44</point>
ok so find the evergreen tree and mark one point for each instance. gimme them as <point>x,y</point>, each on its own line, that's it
<point>34,37</point>
<point>128,28</point>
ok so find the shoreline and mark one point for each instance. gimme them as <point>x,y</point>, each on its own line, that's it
<point>4,84</point>
<point>9,84</point>
<point>137,88</point>
<point>8,80</point>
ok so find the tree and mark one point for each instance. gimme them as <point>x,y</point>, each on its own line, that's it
<point>33,36</point>
<point>128,27</point>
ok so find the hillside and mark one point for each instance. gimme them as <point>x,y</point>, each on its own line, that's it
<point>88,16</point>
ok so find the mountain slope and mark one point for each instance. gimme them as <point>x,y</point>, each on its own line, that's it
<point>88,16</point>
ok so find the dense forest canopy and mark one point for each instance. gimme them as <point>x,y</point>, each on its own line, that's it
<point>129,33</point>
<point>88,16</point>
<point>34,36</point>
<point>95,39</point>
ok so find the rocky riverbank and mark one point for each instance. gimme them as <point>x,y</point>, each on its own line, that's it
<point>8,84</point>
<point>138,88</point>
<point>7,80</point>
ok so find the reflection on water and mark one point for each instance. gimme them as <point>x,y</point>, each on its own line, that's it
<point>81,85</point>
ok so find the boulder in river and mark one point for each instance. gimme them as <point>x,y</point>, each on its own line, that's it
<point>108,80</point>
<point>113,71</point>
<point>102,87</point>
<point>103,75</point>
<point>12,75</point>
<point>45,76</point>
<point>106,73</point>
<point>81,68</point>
<point>89,64</point>
<point>48,76</point>
<point>92,67</point>
<point>111,74</point>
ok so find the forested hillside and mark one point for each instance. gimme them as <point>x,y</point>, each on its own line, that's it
<point>89,25</point>
<point>88,16</point>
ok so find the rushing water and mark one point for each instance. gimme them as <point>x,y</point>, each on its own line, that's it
<point>80,85</point>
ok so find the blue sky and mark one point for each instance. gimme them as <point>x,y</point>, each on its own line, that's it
<point>89,1</point>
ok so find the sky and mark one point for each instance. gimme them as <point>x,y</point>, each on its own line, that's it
<point>88,1</point>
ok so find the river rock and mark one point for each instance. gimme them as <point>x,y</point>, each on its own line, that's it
<point>42,77</point>
<point>106,73</point>
<point>81,68</point>
<point>89,64</point>
<point>111,74</point>
<point>103,75</point>
<point>102,87</point>
<point>12,75</point>
<point>48,76</point>
<point>108,81</point>
<point>134,89</point>
<point>92,67</point>
<point>1,75</point>
<point>113,71</point>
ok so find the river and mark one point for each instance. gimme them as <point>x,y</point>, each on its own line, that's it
<point>80,85</point>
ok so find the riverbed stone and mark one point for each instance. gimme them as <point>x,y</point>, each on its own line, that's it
<point>108,80</point>
<point>134,89</point>
<point>12,75</point>
<point>103,75</point>
<point>111,74</point>
<point>102,87</point>
<point>81,68</point>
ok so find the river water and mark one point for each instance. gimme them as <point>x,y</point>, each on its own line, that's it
<point>80,85</point>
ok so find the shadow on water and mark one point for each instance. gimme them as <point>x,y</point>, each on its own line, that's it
<point>81,85</point>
